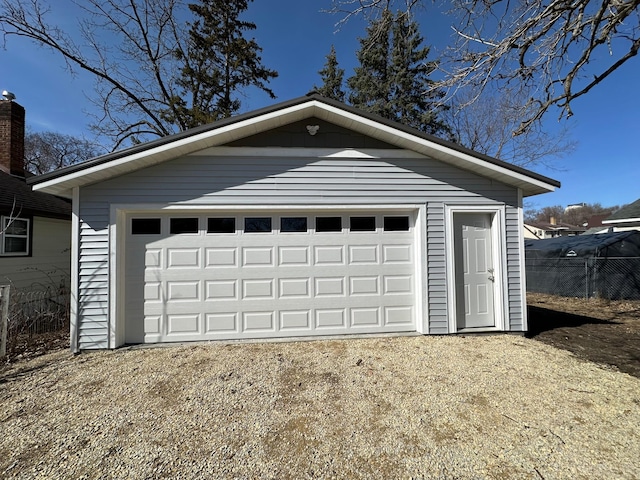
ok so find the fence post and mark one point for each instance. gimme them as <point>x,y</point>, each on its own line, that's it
<point>586,279</point>
<point>4,318</point>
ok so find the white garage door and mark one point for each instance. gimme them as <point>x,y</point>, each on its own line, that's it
<point>264,275</point>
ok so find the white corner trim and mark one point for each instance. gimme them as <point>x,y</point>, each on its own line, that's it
<point>498,232</point>
<point>421,288</point>
<point>113,278</point>
<point>523,271</point>
<point>75,272</point>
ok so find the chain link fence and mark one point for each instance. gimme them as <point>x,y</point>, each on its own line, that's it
<point>608,278</point>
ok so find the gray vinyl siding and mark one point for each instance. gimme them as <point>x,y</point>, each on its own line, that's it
<point>514,289</point>
<point>436,269</point>
<point>291,181</point>
<point>93,279</point>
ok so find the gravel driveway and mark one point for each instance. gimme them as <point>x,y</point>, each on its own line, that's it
<point>423,407</point>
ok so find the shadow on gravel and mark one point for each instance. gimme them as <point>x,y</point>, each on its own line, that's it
<point>606,342</point>
<point>543,320</point>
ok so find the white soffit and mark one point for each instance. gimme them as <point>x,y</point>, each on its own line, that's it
<point>187,145</point>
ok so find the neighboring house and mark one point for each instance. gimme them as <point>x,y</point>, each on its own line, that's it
<point>35,227</point>
<point>307,218</point>
<point>551,229</point>
<point>625,219</point>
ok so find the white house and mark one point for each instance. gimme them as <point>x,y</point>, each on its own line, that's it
<point>623,220</point>
<point>35,227</point>
<point>307,218</point>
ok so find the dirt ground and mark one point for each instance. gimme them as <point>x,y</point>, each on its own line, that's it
<point>605,332</point>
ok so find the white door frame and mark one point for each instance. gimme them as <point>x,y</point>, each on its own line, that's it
<point>119,213</point>
<point>498,240</point>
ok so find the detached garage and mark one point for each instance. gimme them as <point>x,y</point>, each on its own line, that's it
<point>308,218</point>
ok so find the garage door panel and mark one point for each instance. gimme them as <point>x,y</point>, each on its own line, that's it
<point>266,285</point>
<point>181,258</point>
<point>222,323</point>
<point>363,255</point>
<point>294,288</point>
<point>183,324</point>
<point>221,257</point>
<point>364,285</point>
<point>330,287</point>
<point>258,322</point>
<point>331,318</point>
<point>397,284</point>
<point>295,320</point>
<point>332,255</point>
<point>221,290</point>
<point>395,254</point>
<point>257,257</point>
<point>258,289</point>
<point>400,315</point>
<point>183,291</point>
<point>293,256</point>
<point>365,317</point>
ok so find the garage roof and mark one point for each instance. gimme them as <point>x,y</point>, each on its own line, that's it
<point>61,182</point>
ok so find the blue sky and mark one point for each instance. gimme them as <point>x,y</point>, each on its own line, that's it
<point>296,36</point>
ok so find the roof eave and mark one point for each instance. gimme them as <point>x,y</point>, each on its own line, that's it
<point>621,220</point>
<point>63,181</point>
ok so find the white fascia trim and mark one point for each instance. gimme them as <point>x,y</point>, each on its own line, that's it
<point>437,147</point>
<point>498,232</point>
<point>623,220</point>
<point>75,272</point>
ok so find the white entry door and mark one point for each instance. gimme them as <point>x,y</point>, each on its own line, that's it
<point>474,270</point>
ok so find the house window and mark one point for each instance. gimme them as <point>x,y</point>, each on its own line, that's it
<point>293,224</point>
<point>183,225</point>
<point>328,224</point>
<point>15,236</point>
<point>257,224</point>
<point>396,224</point>
<point>363,224</point>
<point>221,225</point>
<point>145,226</point>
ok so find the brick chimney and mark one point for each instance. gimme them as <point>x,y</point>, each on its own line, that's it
<point>12,138</point>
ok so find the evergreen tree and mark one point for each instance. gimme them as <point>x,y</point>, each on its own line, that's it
<point>392,79</point>
<point>219,62</point>
<point>370,86</point>
<point>332,77</point>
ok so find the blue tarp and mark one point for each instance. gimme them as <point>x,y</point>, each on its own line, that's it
<point>602,245</point>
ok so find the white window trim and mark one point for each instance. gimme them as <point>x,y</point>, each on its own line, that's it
<point>4,236</point>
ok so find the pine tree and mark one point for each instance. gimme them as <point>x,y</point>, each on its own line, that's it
<point>332,78</point>
<point>219,62</point>
<point>370,86</point>
<point>392,79</point>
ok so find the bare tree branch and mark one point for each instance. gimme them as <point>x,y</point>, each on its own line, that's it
<point>548,52</point>
<point>127,45</point>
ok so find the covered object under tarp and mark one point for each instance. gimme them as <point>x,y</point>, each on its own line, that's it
<point>604,265</point>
